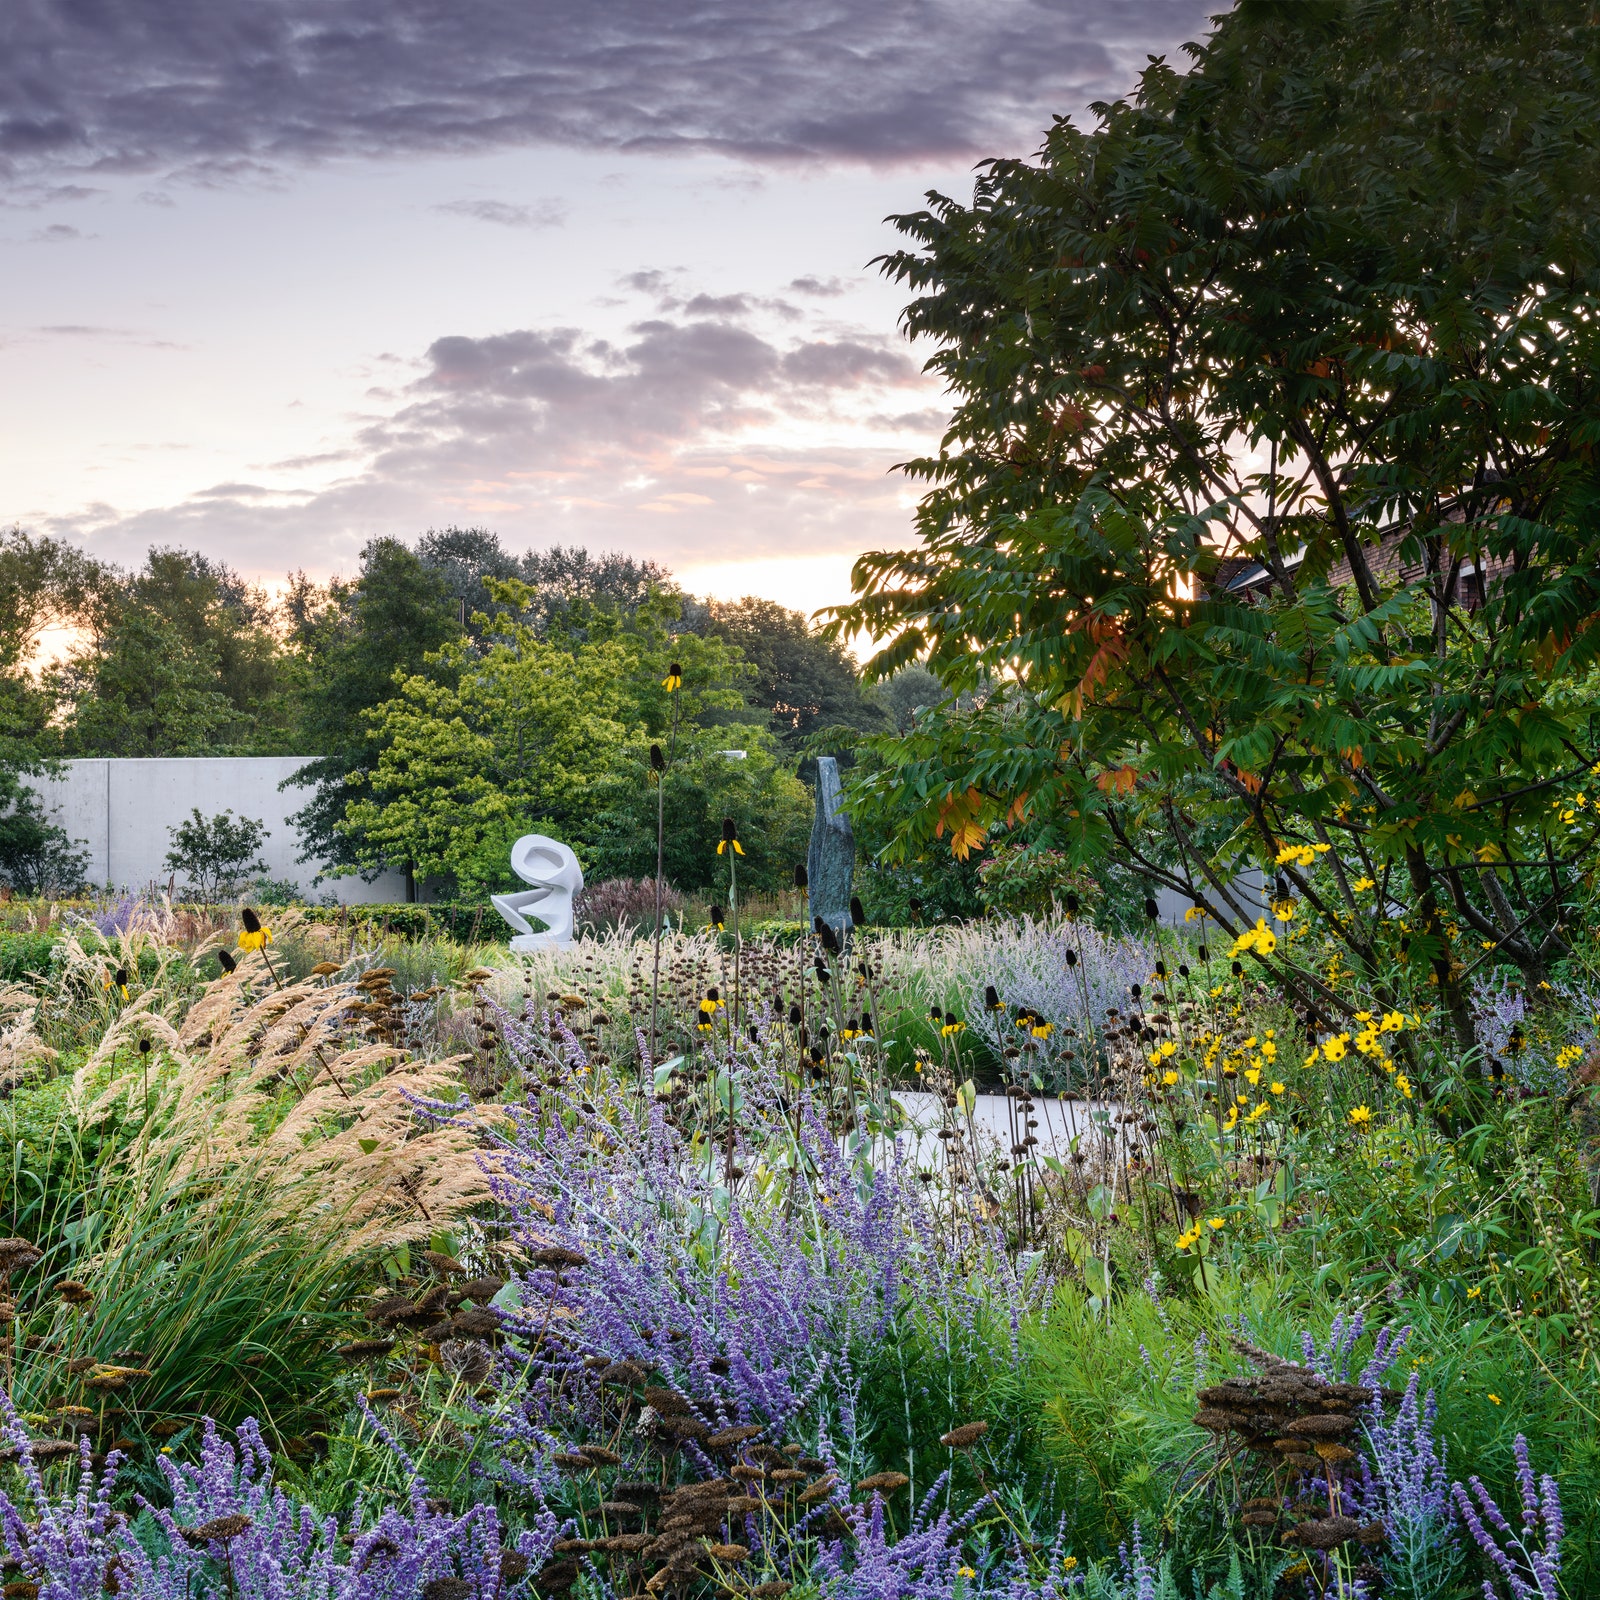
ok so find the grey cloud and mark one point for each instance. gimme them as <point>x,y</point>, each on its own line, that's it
<point>718,305</point>
<point>654,443</point>
<point>227,88</point>
<point>846,363</point>
<point>547,214</point>
<point>90,330</point>
<point>824,288</point>
<point>33,196</point>
<point>58,233</point>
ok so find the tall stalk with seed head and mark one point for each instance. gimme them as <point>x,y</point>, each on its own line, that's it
<point>673,684</point>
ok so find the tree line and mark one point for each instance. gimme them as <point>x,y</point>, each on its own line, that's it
<point>448,695</point>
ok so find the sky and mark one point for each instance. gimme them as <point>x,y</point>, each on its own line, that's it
<point>282,276</point>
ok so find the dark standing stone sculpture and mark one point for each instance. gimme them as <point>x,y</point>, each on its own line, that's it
<point>831,863</point>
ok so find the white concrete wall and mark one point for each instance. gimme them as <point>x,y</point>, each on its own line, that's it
<point>122,812</point>
<point>1249,889</point>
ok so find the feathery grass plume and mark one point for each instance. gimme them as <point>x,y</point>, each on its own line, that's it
<point>22,1050</point>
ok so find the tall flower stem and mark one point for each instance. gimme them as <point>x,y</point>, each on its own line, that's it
<point>655,963</point>
<point>673,684</point>
<point>733,1025</point>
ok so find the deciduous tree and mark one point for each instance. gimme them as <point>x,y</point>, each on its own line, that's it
<point>1334,289</point>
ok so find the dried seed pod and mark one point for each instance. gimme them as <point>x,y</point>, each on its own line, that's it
<point>17,1255</point>
<point>218,1530</point>
<point>964,1437</point>
<point>666,1402</point>
<point>557,1255</point>
<point>1329,1425</point>
<point>729,1437</point>
<point>469,1360</point>
<point>359,1349</point>
<point>884,1482</point>
<point>1326,1533</point>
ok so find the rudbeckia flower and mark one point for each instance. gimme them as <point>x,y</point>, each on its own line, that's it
<point>709,1007</point>
<point>255,934</point>
<point>674,679</point>
<point>729,836</point>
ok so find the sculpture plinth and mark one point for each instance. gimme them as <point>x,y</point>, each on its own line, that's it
<point>553,876</point>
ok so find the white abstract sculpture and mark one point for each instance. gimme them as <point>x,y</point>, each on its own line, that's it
<point>553,875</point>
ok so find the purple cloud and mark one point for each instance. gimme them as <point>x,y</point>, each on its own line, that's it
<point>547,214</point>
<point>683,440</point>
<point>226,88</point>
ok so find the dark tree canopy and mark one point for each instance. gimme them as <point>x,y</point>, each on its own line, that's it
<point>355,639</point>
<point>1326,303</point>
<point>803,681</point>
<point>182,659</point>
<point>567,581</point>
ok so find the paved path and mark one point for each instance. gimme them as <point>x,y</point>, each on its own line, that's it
<point>1058,1121</point>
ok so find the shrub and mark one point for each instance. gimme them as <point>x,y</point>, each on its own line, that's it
<point>627,903</point>
<point>216,854</point>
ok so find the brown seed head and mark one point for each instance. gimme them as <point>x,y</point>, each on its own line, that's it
<point>218,1529</point>
<point>729,1437</point>
<point>1327,1533</point>
<point>884,1482</point>
<point>964,1437</point>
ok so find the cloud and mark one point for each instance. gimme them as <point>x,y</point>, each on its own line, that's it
<point>231,89</point>
<point>58,233</point>
<point>105,335</point>
<point>687,438</point>
<point>823,288</point>
<point>31,196</point>
<point>547,214</point>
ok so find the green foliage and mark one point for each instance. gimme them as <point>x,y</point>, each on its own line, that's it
<point>36,856</point>
<point>703,784</point>
<point>356,639</point>
<point>25,954</point>
<point>802,681</point>
<point>182,660</point>
<point>528,730</point>
<point>233,1313</point>
<point>216,854</point>
<point>1197,338</point>
<point>521,730</point>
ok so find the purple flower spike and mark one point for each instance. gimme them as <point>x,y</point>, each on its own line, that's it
<point>1524,1568</point>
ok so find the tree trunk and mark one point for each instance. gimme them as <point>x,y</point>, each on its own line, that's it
<point>1451,995</point>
